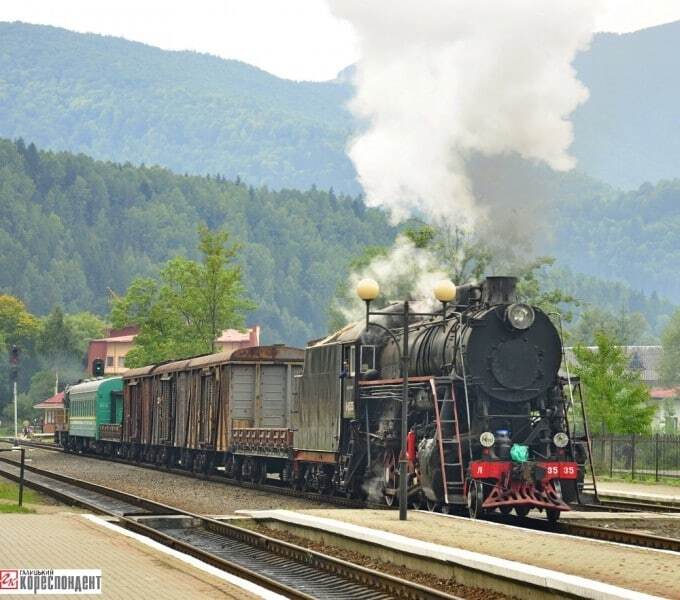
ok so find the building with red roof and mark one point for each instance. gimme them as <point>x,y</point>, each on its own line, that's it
<point>53,415</point>
<point>233,339</point>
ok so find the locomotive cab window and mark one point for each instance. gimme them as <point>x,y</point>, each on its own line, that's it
<point>367,358</point>
<point>351,351</point>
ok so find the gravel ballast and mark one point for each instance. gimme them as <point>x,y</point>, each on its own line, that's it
<point>187,493</point>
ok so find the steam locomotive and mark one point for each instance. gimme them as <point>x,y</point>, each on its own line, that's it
<point>486,410</point>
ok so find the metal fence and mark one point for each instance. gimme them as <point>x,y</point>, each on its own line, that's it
<point>641,456</point>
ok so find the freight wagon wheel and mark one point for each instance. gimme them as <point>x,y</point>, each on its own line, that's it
<point>475,499</point>
<point>390,476</point>
<point>505,509</point>
<point>522,511</point>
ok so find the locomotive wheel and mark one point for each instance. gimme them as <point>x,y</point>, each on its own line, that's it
<point>391,480</point>
<point>522,511</point>
<point>448,509</point>
<point>433,505</point>
<point>475,499</point>
<point>552,515</point>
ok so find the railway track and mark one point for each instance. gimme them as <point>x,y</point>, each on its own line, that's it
<point>617,504</point>
<point>262,487</point>
<point>568,528</point>
<point>285,568</point>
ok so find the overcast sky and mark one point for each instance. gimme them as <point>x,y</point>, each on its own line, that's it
<point>297,39</point>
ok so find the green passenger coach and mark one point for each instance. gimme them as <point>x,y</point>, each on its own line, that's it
<point>91,405</point>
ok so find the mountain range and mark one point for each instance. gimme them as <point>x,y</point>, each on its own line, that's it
<point>71,227</point>
<point>125,101</point>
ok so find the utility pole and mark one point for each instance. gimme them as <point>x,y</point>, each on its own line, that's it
<point>14,372</point>
<point>403,462</point>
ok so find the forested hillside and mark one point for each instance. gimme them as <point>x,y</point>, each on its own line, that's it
<point>632,236</point>
<point>73,230</point>
<point>126,101</point>
<point>195,113</point>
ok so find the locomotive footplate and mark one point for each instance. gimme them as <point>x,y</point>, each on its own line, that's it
<point>528,483</point>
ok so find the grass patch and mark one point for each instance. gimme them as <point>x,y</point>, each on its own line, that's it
<point>9,492</point>
<point>14,508</point>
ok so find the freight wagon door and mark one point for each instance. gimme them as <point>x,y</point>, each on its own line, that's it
<point>242,395</point>
<point>274,388</point>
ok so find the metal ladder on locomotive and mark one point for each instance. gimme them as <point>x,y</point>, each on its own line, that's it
<point>448,442</point>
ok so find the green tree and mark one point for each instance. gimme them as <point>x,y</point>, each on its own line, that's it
<point>85,326</point>
<point>183,313</point>
<point>616,398</point>
<point>17,325</point>
<point>532,288</point>
<point>20,327</point>
<point>56,341</point>
<point>626,328</point>
<point>670,361</point>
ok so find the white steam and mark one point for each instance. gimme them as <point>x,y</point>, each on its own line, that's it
<point>404,272</point>
<point>443,80</point>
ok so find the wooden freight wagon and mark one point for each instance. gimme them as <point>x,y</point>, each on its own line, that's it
<point>186,412</point>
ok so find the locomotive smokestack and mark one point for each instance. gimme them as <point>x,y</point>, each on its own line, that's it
<point>499,290</point>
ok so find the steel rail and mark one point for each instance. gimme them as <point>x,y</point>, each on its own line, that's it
<point>620,536</point>
<point>377,584</point>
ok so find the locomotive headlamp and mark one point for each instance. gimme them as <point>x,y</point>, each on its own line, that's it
<point>560,439</point>
<point>520,316</point>
<point>487,439</point>
<point>368,289</point>
<point>445,291</point>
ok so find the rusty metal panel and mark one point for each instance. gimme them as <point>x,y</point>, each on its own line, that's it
<point>293,378</point>
<point>317,419</point>
<point>181,410</point>
<point>223,425</point>
<point>276,353</point>
<point>242,393</point>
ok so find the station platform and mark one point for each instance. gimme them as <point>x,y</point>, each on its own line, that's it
<point>131,566</point>
<point>565,566</point>
<point>663,494</point>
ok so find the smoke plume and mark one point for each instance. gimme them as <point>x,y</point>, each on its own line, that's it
<point>441,81</point>
<point>404,272</point>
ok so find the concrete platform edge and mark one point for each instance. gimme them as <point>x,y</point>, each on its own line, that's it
<point>190,560</point>
<point>529,574</point>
